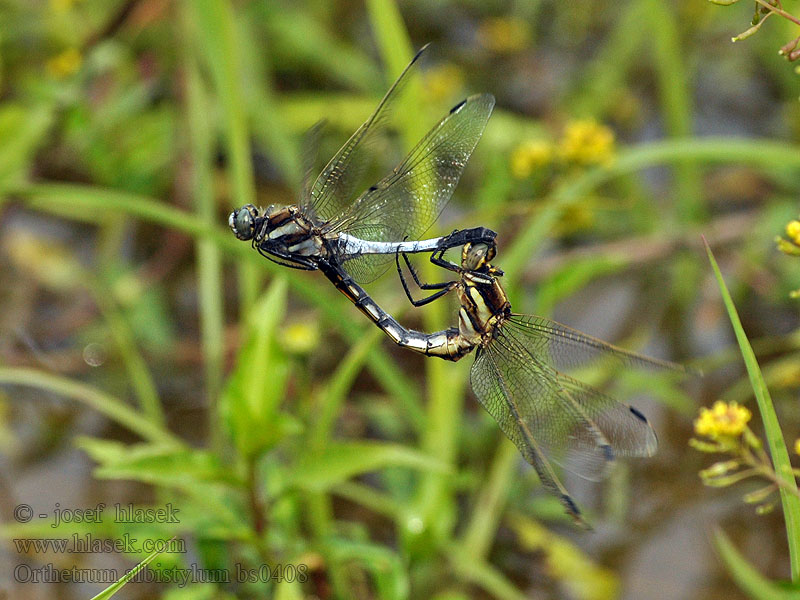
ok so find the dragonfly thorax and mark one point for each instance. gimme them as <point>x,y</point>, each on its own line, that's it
<point>484,305</point>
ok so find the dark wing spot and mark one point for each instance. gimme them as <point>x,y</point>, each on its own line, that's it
<point>570,505</point>
<point>637,414</point>
<point>458,106</point>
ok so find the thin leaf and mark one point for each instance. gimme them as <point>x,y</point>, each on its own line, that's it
<point>747,578</point>
<point>249,404</point>
<point>111,407</point>
<point>342,460</point>
<point>775,441</point>
<point>22,129</point>
<point>115,587</point>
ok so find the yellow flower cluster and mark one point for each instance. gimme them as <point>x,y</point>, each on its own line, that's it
<point>797,446</point>
<point>529,156</point>
<point>587,142</point>
<point>64,64</point>
<point>504,34</point>
<point>792,245</point>
<point>722,420</point>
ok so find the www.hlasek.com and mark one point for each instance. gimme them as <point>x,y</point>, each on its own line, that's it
<point>88,544</point>
<point>155,573</point>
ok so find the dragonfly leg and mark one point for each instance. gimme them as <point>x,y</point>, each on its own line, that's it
<point>438,259</point>
<point>289,260</point>
<point>443,288</point>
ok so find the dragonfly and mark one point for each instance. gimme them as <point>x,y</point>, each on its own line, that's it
<point>518,376</point>
<point>352,239</point>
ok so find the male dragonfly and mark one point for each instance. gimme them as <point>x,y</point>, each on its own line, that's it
<point>329,230</point>
<point>517,376</point>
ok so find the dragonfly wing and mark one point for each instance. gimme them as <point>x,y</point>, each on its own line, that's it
<point>566,348</point>
<point>579,427</point>
<point>332,192</point>
<point>407,201</point>
<point>310,150</point>
<point>499,392</point>
<point>624,427</point>
<point>538,414</point>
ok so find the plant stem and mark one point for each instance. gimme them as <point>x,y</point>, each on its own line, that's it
<point>779,11</point>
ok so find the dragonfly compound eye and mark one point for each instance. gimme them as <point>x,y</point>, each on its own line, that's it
<point>242,222</point>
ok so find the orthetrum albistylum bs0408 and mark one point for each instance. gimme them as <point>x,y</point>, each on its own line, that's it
<point>517,376</point>
<point>330,230</point>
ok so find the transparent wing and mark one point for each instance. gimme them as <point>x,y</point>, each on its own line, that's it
<point>565,420</point>
<point>309,158</point>
<point>333,189</point>
<point>566,348</point>
<point>406,202</point>
<point>507,399</point>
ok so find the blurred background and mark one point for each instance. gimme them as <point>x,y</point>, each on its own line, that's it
<point>147,357</point>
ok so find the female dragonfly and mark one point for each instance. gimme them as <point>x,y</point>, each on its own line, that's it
<point>517,376</point>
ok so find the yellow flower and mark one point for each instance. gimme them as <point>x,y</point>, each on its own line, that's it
<point>797,446</point>
<point>530,155</point>
<point>793,231</point>
<point>64,64</point>
<point>722,420</point>
<point>300,337</point>
<point>504,34</point>
<point>443,81</point>
<point>587,142</point>
<point>791,246</point>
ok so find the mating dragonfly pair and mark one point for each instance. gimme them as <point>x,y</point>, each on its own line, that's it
<point>517,374</point>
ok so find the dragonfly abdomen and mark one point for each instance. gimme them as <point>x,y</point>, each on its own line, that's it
<point>448,344</point>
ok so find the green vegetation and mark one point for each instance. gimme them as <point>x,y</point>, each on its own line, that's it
<point>307,456</point>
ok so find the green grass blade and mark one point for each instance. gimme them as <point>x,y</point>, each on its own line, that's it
<point>396,50</point>
<point>491,498</point>
<point>604,73</point>
<point>479,572</point>
<point>209,261</point>
<point>340,461</point>
<point>391,34</point>
<point>338,386</point>
<point>217,42</point>
<point>746,577</point>
<point>139,374</point>
<point>111,407</point>
<point>115,587</point>
<point>772,429</point>
<point>675,96</point>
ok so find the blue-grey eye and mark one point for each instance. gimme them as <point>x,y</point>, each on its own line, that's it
<point>242,222</point>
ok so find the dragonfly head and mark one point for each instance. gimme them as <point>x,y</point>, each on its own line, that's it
<point>477,255</point>
<point>243,222</point>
